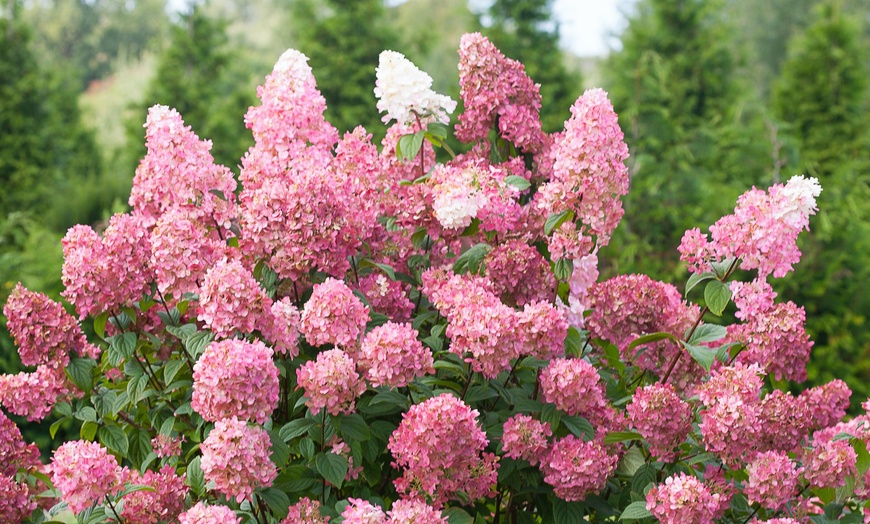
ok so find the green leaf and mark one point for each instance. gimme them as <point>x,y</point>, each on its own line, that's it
<point>171,369</point>
<point>696,279</point>
<point>717,295</point>
<point>573,342</point>
<point>720,269</point>
<point>88,431</point>
<point>81,372</point>
<point>579,427</point>
<point>457,516</point>
<point>652,337</point>
<point>136,388</point>
<point>471,260</point>
<point>635,511</point>
<point>100,324</point>
<point>563,269</point>
<point>86,413</point>
<point>518,182</point>
<point>557,219</point>
<point>332,467</point>
<point>621,436</point>
<point>437,130</point>
<point>550,415</point>
<point>353,428</point>
<point>122,347</point>
<point>280,450</point>
<point>419,237</point>
<point>409,145</point>
<point>277,500</point>
<point>133,488</point>
<point>567,512</point>
<point>195,478</point>
<point>295,428</point>
<point>383,267</point>
<point>52,431</point>
<point>197,343</point>
<point>702,355</point>
<point>708,333</point>
<point>114,438</point>
<point>863,463</point>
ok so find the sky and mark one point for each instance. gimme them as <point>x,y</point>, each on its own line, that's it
<point>586,26</point>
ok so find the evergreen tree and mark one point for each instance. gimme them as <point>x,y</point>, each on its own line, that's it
<point>822,98</point>
<point>195,76</point>
<point>525,30</point>
<point>693,141</point>
<point>343,39</point>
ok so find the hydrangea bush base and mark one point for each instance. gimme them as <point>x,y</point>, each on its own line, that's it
<point>360,334</point>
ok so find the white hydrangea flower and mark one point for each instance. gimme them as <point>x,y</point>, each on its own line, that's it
<point>457,199</point>
<point>403,90</point>
<point>798,201</point>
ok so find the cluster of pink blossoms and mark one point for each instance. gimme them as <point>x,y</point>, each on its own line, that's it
<point>331,381</point>
<point>730,422</point>
<point>235,456</point>
<point>15,500</point>
<point>84,473</point>
<point>163,504</point>
<point>391,355</point>
<point>573,386</point>
<point>519,274</point>
<point>683,499</point>
<point>387,297</point>
<point>576,468</point>
<point>662,417</point>
<point>333,315</point>
<point>762,232</point>
<point>773,479</point>
<point>33,395</point>
<point>439,445</point>
<point>231,299</point>
<point>525,437</point>
<point>234,378</point>
<point>306,511</point>
<point>202,513</point>
<point>829,463</point>
<point>404,511</point>
<point>589,172</point>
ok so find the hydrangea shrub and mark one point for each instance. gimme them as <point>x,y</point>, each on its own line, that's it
<point>362,334</point>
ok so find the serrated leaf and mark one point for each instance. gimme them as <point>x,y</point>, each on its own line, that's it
<point>437,129</point>
<point>567,512</point>
<point>635,511</point>
<point>295,428</point>
<point>717,295</point>
<point>52,430</point>
<point>652,337</point>
<point>471,260</point>
<point>100,324</point>
<point>122,347</point>
<point>391,273</point>
<point>88,431</point>
<point>563,269</point>
<point>114,438</point>
<point>863,463</point>
<point>197,343</point>
<point>277,500</point>
<point>81,372</point>
<point>280,451</point>
<point>696,279</point>
<point>551,415</point>
<point>720,269</point>
<point>573,342</point>
<point>518,182</point>
<point>171,369</point>
<point>621,436</point>
<point>194,477</point>
<point>579,427</point>
<point>557,219</point>
<point>332,467</point>
<point>702,355</point>
<point>457,516</point>
<point>354,428</point>
<point>708,333</point>
<point>86,413</point>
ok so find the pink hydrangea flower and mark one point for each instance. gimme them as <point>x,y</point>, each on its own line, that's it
<point>234,378</point>
<point>776,339</point>
<point>43,331</point>
<point>202,513</point>
<point>626,307</point>
<point>306,511</point>
<point>589,174</point>
<point>179,170</point>
<point>439,447</point>
<point>15,501</point>
<point>543,329</point>
<point>496,88</point>
<point>84,473</point>
<point>480,327</point>
<point>165,446</point>
<point>826,404</point>
<point>331,382</point>
<point>576,468</point>
<point>333,315</point>
<point>525,437</point>
<point>784,422</point>
<point>164,504</point>
<point>391,355</point>
<point>33,395</point>
<point>15,454</point>
<point>408,511</point>
<point>386,296</point>
<point>574,386</point>
<point>662,417</point>
<point>730,423</point>
<point>235,456</point>
<point>519,274</point>
<point>360,511</point>
<point>231,299</point>
<point>773,479</point>
<point>829,463</point>
<point>282,327</point>
<point>682,499</point>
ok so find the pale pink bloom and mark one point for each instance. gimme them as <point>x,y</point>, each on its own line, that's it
<point>15,454</point>
<point>525,437</point>
<point>164,504</point>
<point>333,315</point>
<point>386,296</point>
<point>231,300</point>
<point>360,511</point>
<point>662,417</point>
<point>202,513</point>
<point>829,463</point>
<point>773,479</point>
<point>84,473</point>
<point>682,499</point>
<point>306,511</point>
<point>165,446</point>
<point>776,339</point>
<point>543,329</point>
<point>784,422</point>
<point>43,331</point>
<point>33,395</point>
<point>281,327</point>
<point>331,382</point>
<point>574,386</point>
<point>407,511</point>
<point>576,468</point>
<point>391,355</point>
<point>235,456</point>
<point>235,378</point>
<point>826,404</point>
<point>439,448</point>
